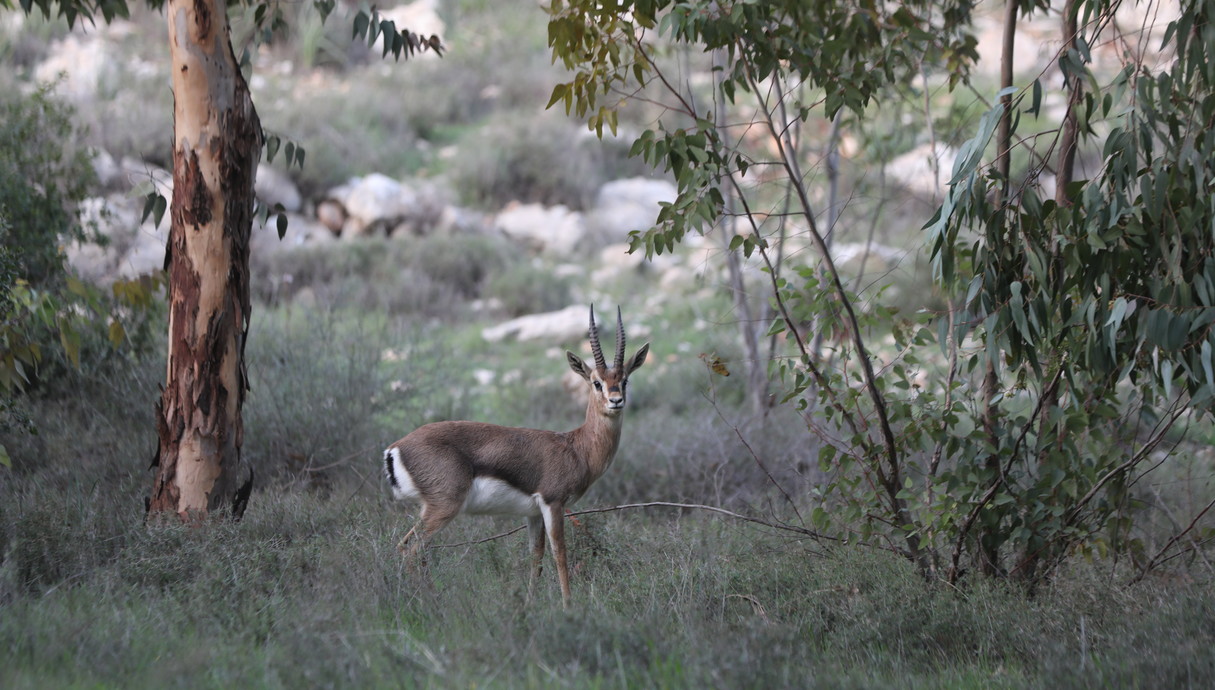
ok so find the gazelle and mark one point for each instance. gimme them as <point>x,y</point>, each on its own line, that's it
<point>485,469</point>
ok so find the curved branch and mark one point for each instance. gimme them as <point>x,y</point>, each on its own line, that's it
<point>664,504</point>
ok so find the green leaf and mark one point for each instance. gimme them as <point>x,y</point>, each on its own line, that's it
<point>1035,101</point>
<point>1205,356</point>
<point>4,457</point>
<point>116,333</point>
<point>158,209</point>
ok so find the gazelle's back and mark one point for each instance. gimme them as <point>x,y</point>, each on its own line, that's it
<point>483,468</point>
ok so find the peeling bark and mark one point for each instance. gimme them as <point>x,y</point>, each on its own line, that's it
<point>217,145</point>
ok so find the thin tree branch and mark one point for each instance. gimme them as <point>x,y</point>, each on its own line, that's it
<point>1176,537</point>
<point>662,504</point>
<point>891,479</point>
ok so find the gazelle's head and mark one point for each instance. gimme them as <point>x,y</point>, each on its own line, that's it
<point>608,385</point>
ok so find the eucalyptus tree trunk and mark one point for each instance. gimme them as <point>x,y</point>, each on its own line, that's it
<point>216,148</point>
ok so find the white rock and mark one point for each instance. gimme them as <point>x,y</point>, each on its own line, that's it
<point>301,230</point>
<point>623,206</point>
<point>878,257</point>
<point>273,187</point>
<point>377,203</point>
<point>377,198</point>
<point>420,17</point>
<point>566,325</point>
<point>914,169</point>
<point>554,229</point>
<point>131,248</point>
<point>82,62</point>
<point>135,172</point>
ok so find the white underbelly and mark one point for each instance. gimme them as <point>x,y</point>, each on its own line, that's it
<point>489,496</point>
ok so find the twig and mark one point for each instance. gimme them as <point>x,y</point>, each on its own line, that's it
<point>662,504</point>
<point>342,461</point>
<point>755,456</point>
<point>1176,537</point>
<point>1164,508</point>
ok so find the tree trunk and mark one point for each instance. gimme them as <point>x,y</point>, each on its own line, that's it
<point>217,145</point>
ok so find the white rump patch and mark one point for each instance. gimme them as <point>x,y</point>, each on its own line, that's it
<point>490,496</point>
<point>405,490</point>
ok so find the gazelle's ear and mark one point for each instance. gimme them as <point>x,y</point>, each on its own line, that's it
<point>577,365</point>
<point>638,359</point>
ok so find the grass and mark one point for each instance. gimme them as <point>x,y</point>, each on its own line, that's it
<point>308,590</point>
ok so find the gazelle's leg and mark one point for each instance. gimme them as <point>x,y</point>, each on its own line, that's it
<point>434,518</point>
<point>431,520</point>
<point>554,523</point>
<point>535,538</point>
<point>408,535</point>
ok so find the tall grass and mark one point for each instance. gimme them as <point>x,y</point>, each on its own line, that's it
<point>309,591</point>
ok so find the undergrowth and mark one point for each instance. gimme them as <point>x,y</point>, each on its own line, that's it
<point>308,589</point>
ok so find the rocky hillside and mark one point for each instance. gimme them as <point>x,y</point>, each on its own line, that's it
<point>459,145</point>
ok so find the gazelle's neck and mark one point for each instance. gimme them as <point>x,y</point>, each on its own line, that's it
<point>598,437</point>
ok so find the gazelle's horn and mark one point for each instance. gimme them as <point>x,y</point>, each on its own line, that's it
<point>619,341</point>
<point>593,333</point>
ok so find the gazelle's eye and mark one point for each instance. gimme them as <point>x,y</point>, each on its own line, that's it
<point>598,386</point>
<point>624,385</point>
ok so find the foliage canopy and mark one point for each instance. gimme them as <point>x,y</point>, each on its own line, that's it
<point>1009,430</point>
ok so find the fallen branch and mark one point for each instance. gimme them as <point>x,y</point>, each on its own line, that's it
<point>661,504</point>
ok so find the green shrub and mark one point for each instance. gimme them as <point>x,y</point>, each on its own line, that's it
<point>329,389</point>
<point>347,129</point>
<point>434,275</point>
<point>545,159</point>
<point>527,288</point>
<point>44,174</point>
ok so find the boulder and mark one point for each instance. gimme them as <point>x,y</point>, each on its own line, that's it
<point>78,64</point>
<point>914,170</point>
<point>374,202</point>
<point>622,206</point>
<point>421,17</point>
<point>130,248</point>
<point>274,187</point>
<point>878,258</point>
<point>331,214</point>
<point>377,203</point>
<point>552,229</point>
<point>301,230</point>
<point>564,326</point>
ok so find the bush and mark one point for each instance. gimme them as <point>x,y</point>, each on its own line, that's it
<point>45,173</point>
<point>528,288</point>
<point>542,159</point>
<point>348,128</point>
<point>329,389</point>
<point>434,275</point>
